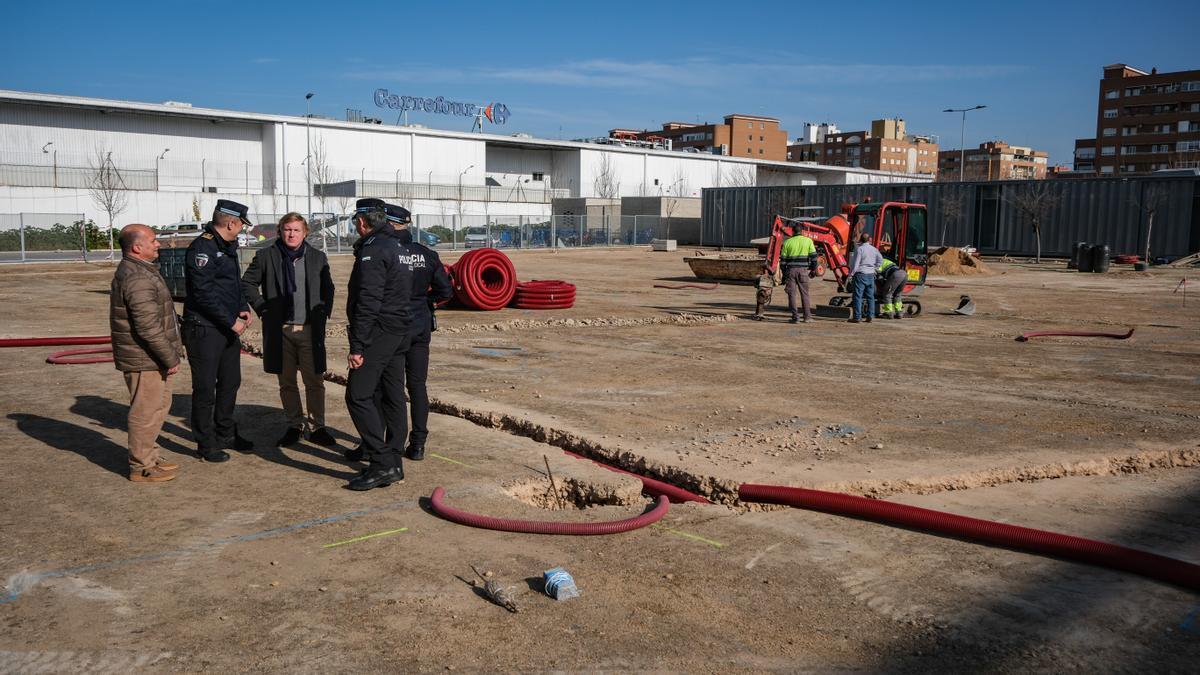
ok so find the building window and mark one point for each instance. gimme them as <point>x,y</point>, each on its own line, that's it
<point>1110,113</point>
<point>1106,169</point>
<point>760,151</point>
<point>1133,91</point>
<point>760,139</point>
<point>1108,151</point>
<point>539,176</point>
<point>1110,131</point>
<point>749,125</point>
<point>1193,85</point>
<point>750,137</point>
<point>1187,146</point>
<point>1111,94</point>
<point>762,125</point>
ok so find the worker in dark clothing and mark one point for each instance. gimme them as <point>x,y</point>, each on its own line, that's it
<point>378,312</point>
<point>431,285</point>
<point>215,314</point>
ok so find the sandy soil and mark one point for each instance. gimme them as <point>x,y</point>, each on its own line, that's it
<point>229,567</point>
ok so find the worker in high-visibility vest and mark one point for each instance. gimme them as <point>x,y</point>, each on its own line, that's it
<point>892,278</point>
<point>799,261</point>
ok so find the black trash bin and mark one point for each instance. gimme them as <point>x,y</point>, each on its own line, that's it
<point>1084,261</point>
<point>1077,252</point>
<point>1100,261</point>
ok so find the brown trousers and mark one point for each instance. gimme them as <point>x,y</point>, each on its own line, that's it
<point>298,355</point>
<point>149,401</point>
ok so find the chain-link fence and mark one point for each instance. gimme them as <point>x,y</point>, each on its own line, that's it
<point>48,236</point>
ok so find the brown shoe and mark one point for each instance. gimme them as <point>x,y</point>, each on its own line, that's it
<point>164,465</point>
<point>151,475</point>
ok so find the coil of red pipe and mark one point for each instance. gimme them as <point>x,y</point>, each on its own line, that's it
<point>545,527</point>
<point>544,294</point>
<point>484,278</point>
<point>1042,542</point>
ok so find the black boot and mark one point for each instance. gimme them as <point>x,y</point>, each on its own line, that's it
<point>376,477</point>
<point>212,455</point>
<point>415,452</point>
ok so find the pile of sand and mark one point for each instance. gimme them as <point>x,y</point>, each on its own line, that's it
<point>951,261</point>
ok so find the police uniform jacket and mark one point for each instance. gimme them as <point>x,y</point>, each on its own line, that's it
<point>380,288</point>
<point>214,287</point>
<point>431,283</point>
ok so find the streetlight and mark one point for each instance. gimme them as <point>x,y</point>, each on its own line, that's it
<point>460,194</point>
<point>308,146</point>
<point>157,177</point>
<point>54,159</point>
<point>962,134</point>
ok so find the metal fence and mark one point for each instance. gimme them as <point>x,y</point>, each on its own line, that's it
<point>44,236</point>
<point>986,215</point>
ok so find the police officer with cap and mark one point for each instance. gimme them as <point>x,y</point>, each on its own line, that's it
<point>377,308</point>
<point>215,314</point>
<point>431,285</point>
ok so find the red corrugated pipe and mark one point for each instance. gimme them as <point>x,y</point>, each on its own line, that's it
<point>1064,546</point>
<point>545,527</point>
<point>652,487</point>
<point>544,294</point>
<point>484,278</point>
<point>1048,333</point>
<point>66,357</point>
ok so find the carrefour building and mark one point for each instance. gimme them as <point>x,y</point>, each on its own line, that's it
<point>172,159</point>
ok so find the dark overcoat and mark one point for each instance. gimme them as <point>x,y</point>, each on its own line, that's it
<point>262,285</point>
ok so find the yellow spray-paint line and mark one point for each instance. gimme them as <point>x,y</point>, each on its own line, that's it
<point>452,461</point>
<point>688,535</point>
<point>365,537</point>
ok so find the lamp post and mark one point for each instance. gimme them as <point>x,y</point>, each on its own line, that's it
<point>157,176</point>
<point>460,194</point>
<point>962,135</point>
<point>54,159</point>
<point>308,146</point>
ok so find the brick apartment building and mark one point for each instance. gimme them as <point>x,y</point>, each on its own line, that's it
<point>1144,122</point>
<point>749,136</point>
<point>994,160</point>
<point>886,147</point>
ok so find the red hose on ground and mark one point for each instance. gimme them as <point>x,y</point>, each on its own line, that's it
<point>939,285</point>
<point>56,341</point>
<point>676,287</point>
<point>544,294</point>
<point>68,357</point>
<point>655,488</point>
<point>545,527</point>
<point>1046,333</point>
<point>1064,546</point>
<point>484,278</point>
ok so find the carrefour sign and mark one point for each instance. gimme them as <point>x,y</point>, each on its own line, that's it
<point>496,113</point>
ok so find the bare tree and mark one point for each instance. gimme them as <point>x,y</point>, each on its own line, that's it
<point>108,190</point>
<point>323,178</point>
<point>737,176</point>
<point>1154,199</point>
<point>1035,200</point>
<point>953,205</point>
<point>605,183</point>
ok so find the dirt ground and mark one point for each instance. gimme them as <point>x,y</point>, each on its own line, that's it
<point>231,568</point>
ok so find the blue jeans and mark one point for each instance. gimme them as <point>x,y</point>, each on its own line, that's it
<point>864,287</point>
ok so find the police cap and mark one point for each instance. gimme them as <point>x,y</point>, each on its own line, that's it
<point>232,208</point>
<point>369,204</point>
<point>397,214</point>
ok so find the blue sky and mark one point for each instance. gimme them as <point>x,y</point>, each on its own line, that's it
<point>578,70</point>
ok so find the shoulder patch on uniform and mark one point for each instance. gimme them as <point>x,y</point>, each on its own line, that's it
<point>206,235</point>
<point>201,259</point>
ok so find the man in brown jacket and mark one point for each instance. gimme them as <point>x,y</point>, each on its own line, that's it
<point>147,348</point>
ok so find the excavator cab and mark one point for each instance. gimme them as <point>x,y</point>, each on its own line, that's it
<point>897,229</point>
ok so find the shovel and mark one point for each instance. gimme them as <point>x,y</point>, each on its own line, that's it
<point>966,306</point>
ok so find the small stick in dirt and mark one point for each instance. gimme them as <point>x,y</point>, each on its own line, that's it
<point>553,487</point>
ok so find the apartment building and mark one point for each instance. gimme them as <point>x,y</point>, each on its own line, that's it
<point>745,136</point>
<point>886,147</point>
<point>994,160</point>
<point>807,147</point>
<point>1144,122</point>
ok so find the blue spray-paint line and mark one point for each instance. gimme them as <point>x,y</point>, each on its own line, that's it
<point>1189,622</point>
<point>30,581</point>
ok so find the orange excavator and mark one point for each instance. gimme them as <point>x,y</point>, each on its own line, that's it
<point>897,229</point>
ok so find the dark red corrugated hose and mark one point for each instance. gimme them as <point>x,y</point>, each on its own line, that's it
<point>67,357</point>
<point>655,488</point>
<point>1064,546</point>
<point>544,294</point>
<point>484,278</point>
<point>1074,333</point>
<point>545,527</point>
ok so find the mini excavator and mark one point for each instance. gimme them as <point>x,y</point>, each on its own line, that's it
<point>897,229</point>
